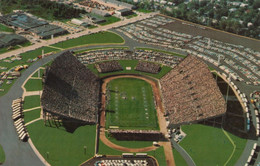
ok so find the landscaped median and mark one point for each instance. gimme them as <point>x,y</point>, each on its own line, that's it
<point>2,155</point>
<point>91,39</point>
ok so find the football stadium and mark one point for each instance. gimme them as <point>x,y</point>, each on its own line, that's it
<point>184,101</point>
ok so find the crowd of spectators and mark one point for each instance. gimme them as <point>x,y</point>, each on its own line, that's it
<point>190,93</point>
<point>141,135</point>
<point>148,67</point>
<point>239,62</point>
<point>71,90</point>
<point>108,66</point>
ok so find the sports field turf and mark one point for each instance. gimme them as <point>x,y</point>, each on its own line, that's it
<point>98,38</point>
<point>33,85</point>
<point>31,115</point>
<point>210,146</point>
<point>65,148</point>
<point>2,155</point>
<point>130,144</point>
<point>31,101</point>
<point>158,153</point>
<point>132,64</point>
<point>131,104</point>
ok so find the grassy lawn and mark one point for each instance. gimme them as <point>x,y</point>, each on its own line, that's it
<point>35,53</point>
<point>4,50</point>
<point>33,85</point>
<point>132,64</point>
<point>92,27</point>
<point>99,48</point>
<point>4,28</point>
<point>131,104</point>
<point>65,148</point>
<point>216,146</point>
<point>158,153</point>
<point>31,101</point>
<point>98,38</point>
<point>179,161</point>
<point>131,16</point>
<point>2,155</point>
<point>110,20</point>
<point>144,10</point>
<point>31,115</point>
<point>36,74</point>
<point>167,52</point>
<point>130,144</point>
<point>6,87</point>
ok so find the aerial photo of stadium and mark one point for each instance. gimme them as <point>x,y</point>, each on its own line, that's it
<point>110,83</point>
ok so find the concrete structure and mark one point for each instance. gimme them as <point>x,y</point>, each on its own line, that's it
<point>124,12</point>
<point>11,40</point>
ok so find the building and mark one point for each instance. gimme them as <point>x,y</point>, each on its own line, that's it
<point>100,12</point>
<point>11,40</point>
<point>37,27</point>
<point>47,31</point>
<point>123,4</point>
<point>79,22</point>
<point>124,12</point>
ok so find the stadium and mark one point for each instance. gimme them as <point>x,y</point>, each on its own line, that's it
<point>132,104</point>
<point>133,107</point>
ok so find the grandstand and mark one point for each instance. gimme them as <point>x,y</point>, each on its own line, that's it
<point>71,90</point>
<point>108,66</point>
<point>148,67</point>
<point>190,93</point>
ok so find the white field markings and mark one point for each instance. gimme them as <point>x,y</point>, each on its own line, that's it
<point>233,144</point>
<point>146,108</point>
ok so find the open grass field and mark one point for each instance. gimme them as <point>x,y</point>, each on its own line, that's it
<point>210,146</point>
<point>130,104</point>
<point>33,85</point>
<point>31,101</point>
<point>179,161</point>
<point>130,144</point>
<point>2,155</point>
<point>110,20</point>
<point>132,64</point>
<point>158,153</point>
<point>4,28</point>
<point>31,115</point>
<point>98,38</point>
<point>64,148</point>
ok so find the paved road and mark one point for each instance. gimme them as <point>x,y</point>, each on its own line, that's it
<point>17,152</point>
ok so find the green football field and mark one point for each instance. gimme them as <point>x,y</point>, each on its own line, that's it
<point>130,104</point>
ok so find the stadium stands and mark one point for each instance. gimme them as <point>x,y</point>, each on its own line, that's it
<point>190,93</point>
<point>108,66</point>
<point>141,135</point>
<point>148,67</point>
<point>71,90</point>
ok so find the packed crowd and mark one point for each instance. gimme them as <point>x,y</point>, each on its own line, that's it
<point>141,135</point>
<point>18,119</point>
<point>109,162</point>
<point>108,66</point>
<point>238,61</point>
<point>71,90</point>
<point>148,67</point>
<point>190,93</point>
